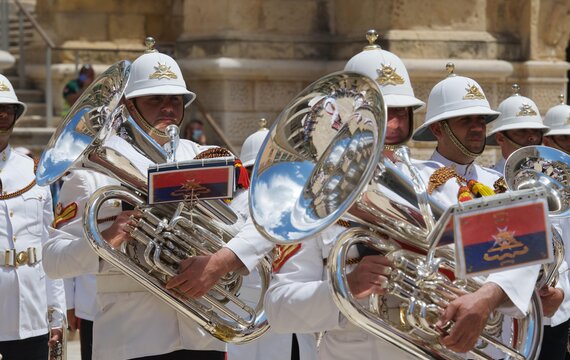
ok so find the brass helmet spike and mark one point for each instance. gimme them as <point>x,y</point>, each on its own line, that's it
<point>450,67</point>
<point>149,43</point>
<point>516,88</point>
<point>372,36</point>
<point>561,99</point>
<point>262,124</point>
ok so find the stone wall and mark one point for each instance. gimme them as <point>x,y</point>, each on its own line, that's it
<point>248,58</point>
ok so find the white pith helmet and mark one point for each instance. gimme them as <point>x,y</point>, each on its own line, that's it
<point>388,71</point>
<point>452,97</point>
<point>8,96</point>
<point>517,112</point>
<point>154,73</point>
<point>252,144</point>
<point>557,119</point>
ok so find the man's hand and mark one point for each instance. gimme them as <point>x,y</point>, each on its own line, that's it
<point>469,313</point>
<point>370,276</point>
<point>551,299</point>
<point>119,231</point>
<point>198,274</point>
<point>72,321</point>
<point>56,336</point>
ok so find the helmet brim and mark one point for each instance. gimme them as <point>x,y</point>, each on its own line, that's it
<point>491,140</point>
<point>395,100</point>
<point>423,133</point>
<point>189,96</point>
<point>558,131</point>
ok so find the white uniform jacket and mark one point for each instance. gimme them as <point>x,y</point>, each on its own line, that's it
<point>26,290</point>
<point>519,292</point>
<point>563,312</point>
<point>152,328</point>
<point>130,322</point>
<point>299,300</point>
<point>270,345</point>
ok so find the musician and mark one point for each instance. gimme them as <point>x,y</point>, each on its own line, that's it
<point>299,298</point>
<point>555,338</point>
<point>278,346</point>
<point>557,118</point>
<point>27,212</point>
<point>456,118</point>
<point>131,322</point>
<point>518,125</point>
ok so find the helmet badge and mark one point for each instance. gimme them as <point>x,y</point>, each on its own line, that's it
<point>4,87</point>
<point>473,93</point>
<point>388,76</point>
<point>162,72</point>
<point>526,110</point>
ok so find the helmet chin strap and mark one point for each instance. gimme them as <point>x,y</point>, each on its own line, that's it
<point>512,142</point>
<point>458,143</point>
<point>7,132</point>
<point>147,127</point>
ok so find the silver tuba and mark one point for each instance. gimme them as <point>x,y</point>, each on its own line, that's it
<point>324,157</point>
<point>543,167</point>
<point>166,234</point>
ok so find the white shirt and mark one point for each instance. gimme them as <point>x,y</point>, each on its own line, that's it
<point>26,290</point>
<point>273,345</point>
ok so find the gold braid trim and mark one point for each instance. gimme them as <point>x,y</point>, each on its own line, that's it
<point>441,176</point>
<point>213,153</point>
<point>21,191</point>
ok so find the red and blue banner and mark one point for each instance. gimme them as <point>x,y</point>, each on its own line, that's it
<point>198,180</point>
<point>503,237</point>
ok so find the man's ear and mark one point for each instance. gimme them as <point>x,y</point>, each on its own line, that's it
<point>436,129</point>
<point>500,138</point>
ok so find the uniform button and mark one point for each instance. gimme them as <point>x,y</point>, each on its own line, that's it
<point>41,198</point>
<point>11,213</point>
<point>14,237</point>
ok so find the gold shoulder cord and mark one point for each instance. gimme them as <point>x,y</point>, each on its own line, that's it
<point>21,191</point>
<point>441,176</point>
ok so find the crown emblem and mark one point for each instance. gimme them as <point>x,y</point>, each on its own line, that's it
<point>4,87</point>
<point>388,76</point>
<point>526,110</point>
<point>473,93</point>
<point>162,72</point>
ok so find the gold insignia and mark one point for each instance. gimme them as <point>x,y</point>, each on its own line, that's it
<point>162,72</point>
<point>473,93</point>
<point>526,110</point>
<point>66,214</point>
<point>506,246</point>
<point>4,87</point>
<point>388,76</point>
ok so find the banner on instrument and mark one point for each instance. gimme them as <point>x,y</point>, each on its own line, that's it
<point>192,180</point>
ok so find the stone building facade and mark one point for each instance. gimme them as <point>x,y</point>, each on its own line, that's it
<point>247,59</point>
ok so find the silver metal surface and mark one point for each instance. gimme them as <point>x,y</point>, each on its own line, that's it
<point>311,165</point>
<point>423,295</point>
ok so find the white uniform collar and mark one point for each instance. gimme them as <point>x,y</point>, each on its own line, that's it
<point>500,166</point>
<point>461,169</point>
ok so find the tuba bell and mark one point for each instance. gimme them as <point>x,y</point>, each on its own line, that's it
<point>543,167</point>
<point>324,156</point>
<point>167,233</point>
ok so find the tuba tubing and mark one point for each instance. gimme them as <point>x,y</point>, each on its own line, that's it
<point>233,328</point>
<point>421,313</point>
